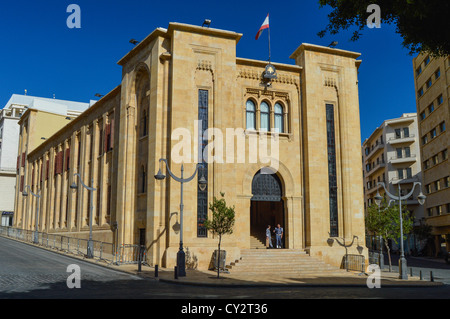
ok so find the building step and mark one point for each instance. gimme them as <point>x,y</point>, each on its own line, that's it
<point>278,261</point>
<point>256,243</point>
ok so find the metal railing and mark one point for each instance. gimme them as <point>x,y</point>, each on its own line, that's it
<point>354,262</point>
<point>402,136</point>
<point>108,252</point>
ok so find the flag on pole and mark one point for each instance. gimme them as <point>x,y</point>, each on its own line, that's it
<point>265,25</point>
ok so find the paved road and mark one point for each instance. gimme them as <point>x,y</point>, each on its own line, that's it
<point>27,272</point>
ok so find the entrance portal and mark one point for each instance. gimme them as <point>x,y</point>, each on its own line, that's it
<point>267,207</point>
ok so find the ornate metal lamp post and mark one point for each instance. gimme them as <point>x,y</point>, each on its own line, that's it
<point>38,196</point>
<point>421,198</point>
<point>181,256</point>
<point>90,245</point>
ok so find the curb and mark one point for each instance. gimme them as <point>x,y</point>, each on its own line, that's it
<point>298,285</point>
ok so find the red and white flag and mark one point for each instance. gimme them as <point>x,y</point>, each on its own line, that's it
<point>265,25</point>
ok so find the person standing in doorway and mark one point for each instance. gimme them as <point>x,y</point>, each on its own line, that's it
<point>268,238</point>
<point>279,235</point>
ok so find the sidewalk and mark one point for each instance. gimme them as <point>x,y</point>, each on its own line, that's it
<point>339,278</point>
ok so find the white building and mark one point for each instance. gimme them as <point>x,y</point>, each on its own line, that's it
<point>9,141</point>
<point>392,155</point>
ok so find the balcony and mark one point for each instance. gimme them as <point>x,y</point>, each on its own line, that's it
<point>442,220</point>
<point>375,168</point>
<point>410,138</point>
<point>374,150</point>
<point>13,113</point>
<point>405,180</point>
<point>404,159</point>
<point>411,202</point>
<point>373,189</point>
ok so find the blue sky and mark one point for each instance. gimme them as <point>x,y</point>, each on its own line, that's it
<point>41,54</point>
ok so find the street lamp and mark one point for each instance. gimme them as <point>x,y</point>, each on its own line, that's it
<point>181,256</point>
<point>421,198</point>
<point>38,196</point>
<point>90,245</point>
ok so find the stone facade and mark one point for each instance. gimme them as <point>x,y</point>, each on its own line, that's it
<point>432,79</point>
<point>172,81</point>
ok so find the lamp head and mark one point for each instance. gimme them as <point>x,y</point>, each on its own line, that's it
<point>74,186</point>
<point>202,183</point>
<point>421,198</point>
<point>378,198</point>
<point>25,193</point>
<point>160,176</point>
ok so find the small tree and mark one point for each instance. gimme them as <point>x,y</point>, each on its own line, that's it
<point>385,222</point>
<point>222,222</point>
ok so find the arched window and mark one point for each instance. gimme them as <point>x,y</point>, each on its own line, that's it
<point>265,117</point>
<point>250,115</point>
<point>279,118</point>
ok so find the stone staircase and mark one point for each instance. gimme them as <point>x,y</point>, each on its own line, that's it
<point>279,261</point>
<point>257,243</point>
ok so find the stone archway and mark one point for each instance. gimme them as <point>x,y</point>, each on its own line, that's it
<point>267,205</point>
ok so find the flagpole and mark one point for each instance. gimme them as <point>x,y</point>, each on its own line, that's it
<point>269,40</point>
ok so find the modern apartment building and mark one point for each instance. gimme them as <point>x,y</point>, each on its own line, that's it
<point>432,78</point>
<point>9,139</point>
<point>392,155</point>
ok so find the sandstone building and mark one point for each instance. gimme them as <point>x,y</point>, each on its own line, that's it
<point>174,80</point>
<point>432,83</point>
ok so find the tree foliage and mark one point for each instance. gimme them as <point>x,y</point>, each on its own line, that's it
<point>385,222</point>
<point>222,222</point>
<point>423,24</point>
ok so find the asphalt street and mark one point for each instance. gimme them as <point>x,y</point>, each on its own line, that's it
<point>28,272</point>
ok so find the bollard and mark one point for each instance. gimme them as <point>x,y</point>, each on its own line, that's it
<point>176,273</point>
<point>421,277</point>
<point>431,276</point>
<point>139,260</point>
<point>411,272</point>
<point>156,271</point>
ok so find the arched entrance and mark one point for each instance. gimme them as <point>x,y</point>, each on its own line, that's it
<point>267,206</point>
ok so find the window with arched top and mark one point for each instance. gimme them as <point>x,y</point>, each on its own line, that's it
<point>265,117</point>
<point>279,118</point>
<point>250,115</point>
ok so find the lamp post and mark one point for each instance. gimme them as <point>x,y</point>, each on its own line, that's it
<point>421,198</point>
<point>90,245</point>
<point>181,256</point>
<point>38,196</point>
